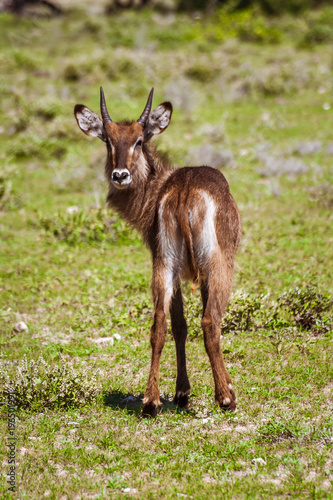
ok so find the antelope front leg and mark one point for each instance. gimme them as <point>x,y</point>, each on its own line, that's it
<point>162,292</point>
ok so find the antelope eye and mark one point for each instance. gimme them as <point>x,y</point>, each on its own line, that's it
<point>138,143</point>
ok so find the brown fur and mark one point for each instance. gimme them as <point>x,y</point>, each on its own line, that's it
<point>173,210</point>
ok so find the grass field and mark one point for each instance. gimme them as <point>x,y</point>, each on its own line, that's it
<point>252,95</point>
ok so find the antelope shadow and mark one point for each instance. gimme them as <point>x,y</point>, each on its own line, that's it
<point>129,402</point>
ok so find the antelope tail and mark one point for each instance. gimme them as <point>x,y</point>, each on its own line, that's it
<point>184,225</point>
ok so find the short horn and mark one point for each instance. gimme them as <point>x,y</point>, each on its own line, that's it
<point>104,111</point>
<point>144,117</point>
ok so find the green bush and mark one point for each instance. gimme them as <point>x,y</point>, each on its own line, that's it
<point>7,197</point>
<point>301,308</point>
<point>307,307</point>
<point>257,29</point>
<point>47,108</point>
<point>276,430</point>
<point>278,7</point>
<point>318,33</point>
<point>27,146</point>
<point>241,312</point>
<point>319,27</point>
<point>38,385</point>
<point>91,226</point>
<point>240,315</point>
<point>202,73</point>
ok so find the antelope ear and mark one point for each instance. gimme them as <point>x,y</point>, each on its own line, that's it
<point>89,122</point>
<point>158,120</point>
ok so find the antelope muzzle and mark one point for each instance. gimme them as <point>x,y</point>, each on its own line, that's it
<point>121,178</point>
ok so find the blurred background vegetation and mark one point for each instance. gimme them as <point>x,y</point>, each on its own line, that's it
<point>252,89</point>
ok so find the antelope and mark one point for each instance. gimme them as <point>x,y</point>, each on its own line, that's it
<point>192,226</point>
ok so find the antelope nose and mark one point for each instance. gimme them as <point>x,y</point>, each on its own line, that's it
<point>120,175</point>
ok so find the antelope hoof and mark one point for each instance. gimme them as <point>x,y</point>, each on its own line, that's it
<point>228,404</point>
<point>181,399</point>
<point>149,410</point>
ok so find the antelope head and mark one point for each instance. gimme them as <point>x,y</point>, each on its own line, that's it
<point>125,140</point>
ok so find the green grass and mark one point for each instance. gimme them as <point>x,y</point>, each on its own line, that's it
<point>74,281</point>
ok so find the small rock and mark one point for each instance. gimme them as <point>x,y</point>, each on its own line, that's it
<point>104,340</point>
<point>72,210</point>
<point>258,461</point>
<point>111,302</point>
<point>130,402</point>
<point>126,490</point>
<point>116,336</point>
<point>21,327</point>
<point>129,399</point>
<point>206,420</point>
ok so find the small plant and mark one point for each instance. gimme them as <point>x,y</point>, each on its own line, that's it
<point>307,306</point>
<point>238,317</point>
<point>322,194</point>
<point>36,384</point>
<point>320,28</point>
<point>193,315</point>
<point>34,146</point>
<point>7,198</point>
<point>91,226</point>
<point>47,108</point>
<point>202,73</point>
<point>240,313</point>
<point>72,73</point>
<point>259,31</point>
<point>274,431</point>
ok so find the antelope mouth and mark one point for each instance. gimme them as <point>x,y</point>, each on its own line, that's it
<point>121,178</point>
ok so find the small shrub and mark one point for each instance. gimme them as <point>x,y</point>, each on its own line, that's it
<point>36,384</point>
<point>47,108</point>
<point>307,306</point>
<point>238,317</point>
<point>278,7</point>
<point>7,196</point>
<point>320,27</point>
<point>202,73</point>
<point>72,72</point>
<point>259,31</point>
<point>24,61</point>
<point>193,315</point>
<point>248,25</point>
<point>28,146</point>
<point>323,194</point>
<point>91,226</point>
<point>318,33</point>
<point>295,310</point>
<point>274,431</point>
<point>240,314</point>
